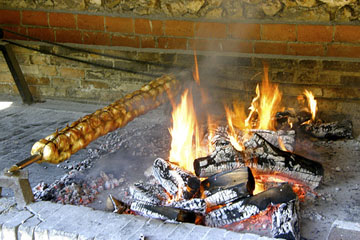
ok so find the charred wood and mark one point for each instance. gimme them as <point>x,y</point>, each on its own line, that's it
<point>265,158</point>
<point>116,205</point>
<point>287,138</point>
<point>247,207</point>
<point>226,196</point>
<point>228,186</point>
<point>331,131</point>
<point>178,182</point>
<point>162,212</point>
<point>285,221</point>
<point>224,158</point>
<point>148,193</point>
<point>196,205</point>
<point>225,180</point>
<point>290,119</point>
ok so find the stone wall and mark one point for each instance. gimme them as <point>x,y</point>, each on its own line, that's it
<point>274,10</point>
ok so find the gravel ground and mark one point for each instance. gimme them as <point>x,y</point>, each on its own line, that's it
<point>127,154</point>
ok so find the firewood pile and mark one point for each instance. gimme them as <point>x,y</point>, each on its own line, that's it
<point>221,191</point>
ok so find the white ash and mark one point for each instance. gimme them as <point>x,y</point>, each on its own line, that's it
<point>73,189</point>
<point>285,221</point>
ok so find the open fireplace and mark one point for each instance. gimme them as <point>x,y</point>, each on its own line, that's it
<point>226,168</point>
<point>236,115</point>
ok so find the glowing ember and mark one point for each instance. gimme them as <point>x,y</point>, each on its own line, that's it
<point>312,103</point>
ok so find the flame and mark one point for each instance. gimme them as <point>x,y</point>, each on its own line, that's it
<point>270,98</point>
<point>233,135</point>
<point>263,107</point>
<point>182,132</point>
<point>282,145</point>
<point>186,142</point>
<point>312,103</point>
<point>196,75</point>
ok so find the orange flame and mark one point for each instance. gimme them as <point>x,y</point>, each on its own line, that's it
<point>263,107</point>
<point>270,98</point>
<point>186,142</point>
<point>182,133</point>
<point>312,103</point>
<point>196,75</point>
<point>237,117</point>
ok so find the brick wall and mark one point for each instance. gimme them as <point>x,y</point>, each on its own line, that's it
<point>323,58</point>
<point>254,38</point>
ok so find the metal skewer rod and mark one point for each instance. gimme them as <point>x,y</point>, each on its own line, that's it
<point>25,163</point>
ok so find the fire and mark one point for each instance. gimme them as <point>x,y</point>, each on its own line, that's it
<point>263,107</point>
<point>312,103</point>
<point>237,116</point>
<point>182,132</point>
<point>269,101</point>
<point>196,75</point>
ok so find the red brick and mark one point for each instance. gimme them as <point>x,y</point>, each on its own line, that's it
<point>9,17</point>
<point>205,44</point>
<point>179,28</point>
<point>172,43</point>
<point>237,46</point>
<point>42,33</point>
<point>8,35</point>
<point>121,25</point>
<point>306,49</point>
<point>278,32</point>
<point>96,38</point>
<point>341,50</point>
<point>147,42</point>
<point>125,41</point>
<point>68,36</point>
<point>347,34</point>
<point>244,31</point>
<point>34,18</point>
<point>66,20</point>
<point>210,29</point>
<point>146,26</point>
<point>270,48</point>
<point>90,22</point>
<point>315,33</point>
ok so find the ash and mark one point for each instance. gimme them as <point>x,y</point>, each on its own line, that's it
<point>112,164</point>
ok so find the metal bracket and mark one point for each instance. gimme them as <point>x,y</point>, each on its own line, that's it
<point>17,74</point>
<point>19,183</point>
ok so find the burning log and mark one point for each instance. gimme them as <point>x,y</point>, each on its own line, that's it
<point>196,205</point>
<point>285,221</point>
<point>290,119</point>
<point>280,139</point>
<point>224,158</point>
<point>162,212</point>
<point>226,187</point>
<point>60,145</point>
<point>333,130</point>
<point>148,193</point>
<point>264,158</point>
<point>178,182</point>
<point>247,207</point>
<point>241,176</point>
